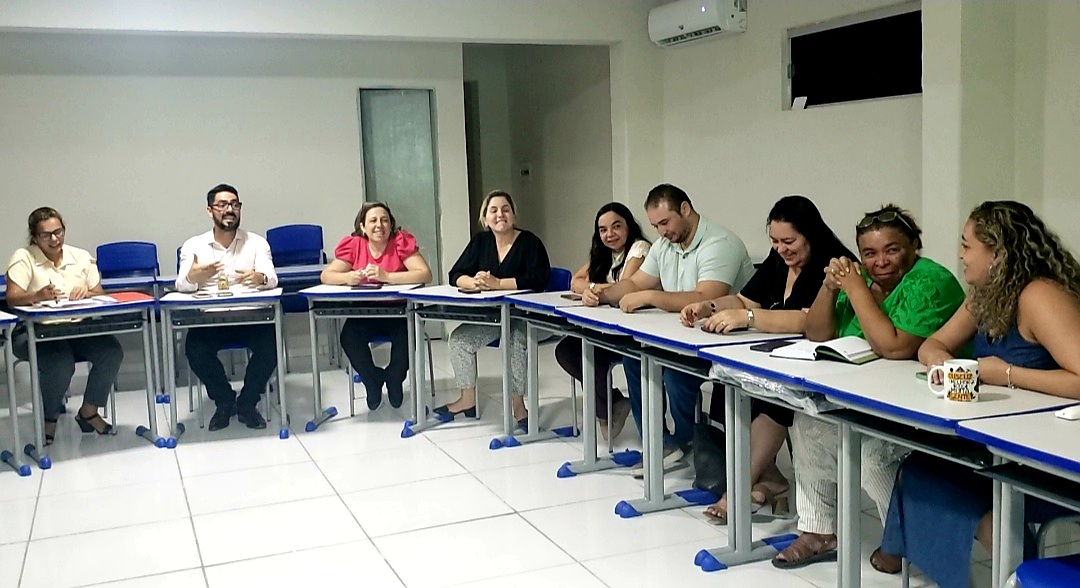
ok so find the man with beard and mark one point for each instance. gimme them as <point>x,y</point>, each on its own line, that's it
<point>231,253</point>
<point>695,261</point>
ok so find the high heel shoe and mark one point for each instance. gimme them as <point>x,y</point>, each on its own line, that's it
<point>86,427</point>
<point>444,414</point>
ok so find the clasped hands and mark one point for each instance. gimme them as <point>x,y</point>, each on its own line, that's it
<point>844,275</point>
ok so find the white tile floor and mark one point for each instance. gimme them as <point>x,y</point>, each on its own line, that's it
<point>355,504</point>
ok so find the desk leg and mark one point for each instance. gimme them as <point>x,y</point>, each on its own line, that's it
<point>1008,530</point>
<point>507,387</point>
<point>532,393</point>
<point>850,538</point>
<point>414,364</point>
<point>12,457</point>
<point>590,461</point>
<point>741,549</point>
<point>655,500</point>
<point>155,363</point>
<point>37,450</point>
<point>422,390</point>
<point>320,415</point>
<point>169,351</point>
<point>150,369</point>
<point>283,409</point>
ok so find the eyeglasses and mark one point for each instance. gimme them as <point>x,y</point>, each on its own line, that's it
<point>225,205</point>
<point>46,235</point>
<point>885,217</point>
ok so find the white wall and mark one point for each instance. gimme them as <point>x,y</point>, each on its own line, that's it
<point>560,113</point>
<point>1047,119</point>
<point>620,25</point>
<point>486,65</point>
<point>125,134</point>
<point>730,144</point>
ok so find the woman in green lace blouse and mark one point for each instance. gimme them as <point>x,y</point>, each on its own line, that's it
<point>894,299</point>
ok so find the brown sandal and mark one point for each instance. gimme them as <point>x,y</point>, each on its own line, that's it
<point>807,549</point>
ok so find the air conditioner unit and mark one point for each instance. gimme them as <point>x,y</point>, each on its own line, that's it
<point>683,21</point>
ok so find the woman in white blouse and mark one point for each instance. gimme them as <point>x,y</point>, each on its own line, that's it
<point>45,270</point>
<point>618,248</point>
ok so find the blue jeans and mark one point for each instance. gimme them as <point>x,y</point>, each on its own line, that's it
<point>683,391</point>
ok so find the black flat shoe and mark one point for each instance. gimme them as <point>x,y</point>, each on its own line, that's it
<point>444,414</point>
<point>85,423</point>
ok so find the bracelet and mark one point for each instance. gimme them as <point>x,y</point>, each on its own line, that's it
<point>749,318</point>
<point>712,306</point>
<point>1008,376</point>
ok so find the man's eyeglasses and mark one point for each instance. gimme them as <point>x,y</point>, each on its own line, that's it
<point>235,204</point>
<point>886,217</point>
<point>46,235</point>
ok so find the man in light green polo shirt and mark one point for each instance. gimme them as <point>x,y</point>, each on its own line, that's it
<point>696,260</point>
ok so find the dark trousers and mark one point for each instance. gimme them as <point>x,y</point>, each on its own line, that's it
<point>202,345</point>
<point>681,389</point>
<point>568,354</point>
<point>56,365</point>
<point>356,337</point>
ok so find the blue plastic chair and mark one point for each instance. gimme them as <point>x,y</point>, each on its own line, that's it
<point>296,245</point>
<point>1054,572</point>
<point>125,259</point>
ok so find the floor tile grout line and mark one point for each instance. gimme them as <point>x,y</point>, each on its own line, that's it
<point>191,519</point>
<point>30,533</point>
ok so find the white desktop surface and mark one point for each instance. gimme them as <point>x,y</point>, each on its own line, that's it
<point>788,371</point>
<point>604,319</point>
<point>451,294</point>
<point>547,301</point>
<point>6,319</point>
<point>1040,439</point>
<point>892,390</point>
<point>335,291</point>
<point>666,329</point>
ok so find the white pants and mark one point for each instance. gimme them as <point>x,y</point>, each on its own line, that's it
<point>816,444</point>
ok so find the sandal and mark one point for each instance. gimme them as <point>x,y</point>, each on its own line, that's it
<point>886,563</point>
<point>777,501</point>
<point>809,548</point>
<point>87,423</point>
<point>50,437</point>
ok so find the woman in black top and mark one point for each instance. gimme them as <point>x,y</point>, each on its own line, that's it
<point>775,300</point>
<point>502,257</point>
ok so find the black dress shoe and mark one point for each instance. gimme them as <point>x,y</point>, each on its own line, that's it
<point>251,418</point>
<point>373,390</point>
<point>395,393</point>
<point>221,418</point>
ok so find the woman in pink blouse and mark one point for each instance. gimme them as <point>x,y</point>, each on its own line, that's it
<point>377,251</point>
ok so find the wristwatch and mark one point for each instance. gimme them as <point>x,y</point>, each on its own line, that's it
<point>749,318</point>
<point>591,286</point>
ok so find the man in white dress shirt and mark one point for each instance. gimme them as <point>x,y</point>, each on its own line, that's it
<point>229,252</point>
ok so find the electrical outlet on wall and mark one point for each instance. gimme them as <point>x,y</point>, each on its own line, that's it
<point>525,172</point>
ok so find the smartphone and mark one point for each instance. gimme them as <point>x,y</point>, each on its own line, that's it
<point>769,346</point>
<point>366,286</point>
<point>469,290</point>
<point>571,296</point>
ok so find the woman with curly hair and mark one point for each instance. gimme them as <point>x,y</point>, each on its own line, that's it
<point>1021,317</point>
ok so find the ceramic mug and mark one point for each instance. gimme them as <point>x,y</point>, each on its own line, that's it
<point>960,380</point>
